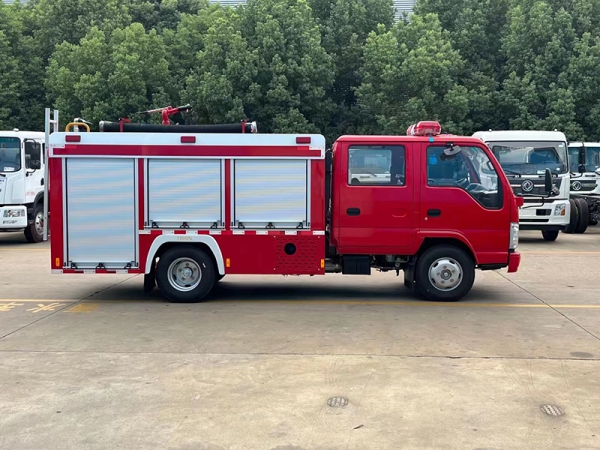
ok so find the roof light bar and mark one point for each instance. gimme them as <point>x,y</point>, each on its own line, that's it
<point>425,128</point>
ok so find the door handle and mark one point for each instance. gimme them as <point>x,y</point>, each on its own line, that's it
<point>434,212</point>
<point>353,211</point>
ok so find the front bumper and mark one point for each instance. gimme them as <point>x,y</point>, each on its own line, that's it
<point>514,260</point>
<point>13,222</point>
<point>538,216</point>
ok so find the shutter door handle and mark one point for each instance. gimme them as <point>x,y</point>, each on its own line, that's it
<point>434,213</point>
<point>353,211</point>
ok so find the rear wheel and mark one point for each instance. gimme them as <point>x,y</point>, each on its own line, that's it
<point>584,216</point>
<point>574,217</point>
<point>550,235</point>
<point>444,273</point>
<point>185,274</point>
<point>34,232</point>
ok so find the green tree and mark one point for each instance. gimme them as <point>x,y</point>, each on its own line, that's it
<point>70,20</point>
<point>538,47</point>
<point>584,78</point>
<point>410,74</point>
<point>185,42</point>
<point>345,26</point>
<point>106,77</point>
<point>21,71</point>
<point>264,62</point>
<point>162,15</point>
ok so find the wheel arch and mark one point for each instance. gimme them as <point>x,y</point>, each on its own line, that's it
<point>204,242</point>
<point>430,242</point>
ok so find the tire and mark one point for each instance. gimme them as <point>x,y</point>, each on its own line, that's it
<point>34,232</point>
<point>549,235</point>
<point>584,216</point>
<point>185,274</point>
<point>574,220</point>
<point>430,283</point>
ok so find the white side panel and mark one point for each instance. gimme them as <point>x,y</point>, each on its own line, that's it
<point>185,191</point>
<point>270,191</point>
<point>223,139</point>
<point>101,212</point>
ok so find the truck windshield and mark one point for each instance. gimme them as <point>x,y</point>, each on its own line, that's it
<point>531,158</point>
<point>10,154</point>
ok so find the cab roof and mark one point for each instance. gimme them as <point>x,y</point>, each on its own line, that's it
<point>23,134</point>
<point>383,139</point>
<point>520,135</point>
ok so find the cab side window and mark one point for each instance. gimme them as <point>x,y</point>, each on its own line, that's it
<point>469,169</point>
<point>374,165</point>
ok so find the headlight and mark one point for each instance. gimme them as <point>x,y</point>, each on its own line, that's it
<point>14,213</point>
<point>514,236</point>
<point>560,210</point>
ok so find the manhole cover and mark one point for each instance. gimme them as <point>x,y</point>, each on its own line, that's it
<point>337,402</point>
<point>552,410</point>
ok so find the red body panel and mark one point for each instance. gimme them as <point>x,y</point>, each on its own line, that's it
<point>387,219</point>
<point>392,219</point>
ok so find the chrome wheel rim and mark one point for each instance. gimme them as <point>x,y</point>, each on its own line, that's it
<point>185,274</point>
<point>445,274</point>
<point>39,223</point>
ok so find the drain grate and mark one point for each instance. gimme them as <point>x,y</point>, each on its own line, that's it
<point>337,402</point>
<point>552,410</point>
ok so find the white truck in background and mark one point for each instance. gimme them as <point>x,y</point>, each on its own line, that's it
<point>524,157</point>
<point>584,160</point>
<point>22,183</point>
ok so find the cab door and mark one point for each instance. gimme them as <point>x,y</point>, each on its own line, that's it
<point>461,196</point>
<point>374,198</point>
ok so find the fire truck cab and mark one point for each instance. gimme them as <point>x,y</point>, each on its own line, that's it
<point>188,206</point>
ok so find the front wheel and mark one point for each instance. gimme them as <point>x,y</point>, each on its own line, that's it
<point>445,273</point>
<point>549,235</point>
<point>34,232</point>
<point>584,216</point>
<point>185,274</point>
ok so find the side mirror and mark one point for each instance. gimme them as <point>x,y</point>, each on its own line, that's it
<point>450,151</point>
<point>548,181</point>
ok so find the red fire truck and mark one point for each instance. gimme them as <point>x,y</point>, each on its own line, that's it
<point>188,205</point>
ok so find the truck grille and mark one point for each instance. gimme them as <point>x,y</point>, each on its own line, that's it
<point>583,185</point>
<point>531,186</point>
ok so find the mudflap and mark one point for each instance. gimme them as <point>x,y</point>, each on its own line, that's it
<point>150,279</point>
<point>409,275</point>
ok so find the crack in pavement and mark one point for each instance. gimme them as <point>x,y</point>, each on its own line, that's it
<point>69,305</point>
<point>316,355</point>
<point>550,306</point>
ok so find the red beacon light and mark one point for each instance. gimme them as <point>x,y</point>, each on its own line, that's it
<point>425,128</point>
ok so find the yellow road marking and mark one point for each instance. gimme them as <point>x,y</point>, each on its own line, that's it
<point>416,303</point>
<point>36,300</point>
<point>83,308</point>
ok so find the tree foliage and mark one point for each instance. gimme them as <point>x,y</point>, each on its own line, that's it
<point>329,66</point>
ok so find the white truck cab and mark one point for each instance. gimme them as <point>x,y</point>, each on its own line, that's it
<point>22,183</point>
<point>584,161</point>
<point>525,156</point>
